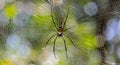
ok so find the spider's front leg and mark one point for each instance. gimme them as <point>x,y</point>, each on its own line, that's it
<point>65,46</point>
<point>49,40</point>
<point>71,41</point>
<point>54,46</point>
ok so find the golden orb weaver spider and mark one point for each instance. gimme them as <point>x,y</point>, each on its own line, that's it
<point>60,33</point>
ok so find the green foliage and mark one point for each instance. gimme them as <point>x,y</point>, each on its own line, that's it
<point>10,11</point>
<point>89,41</point>
<point>39,20</point>
<point>40,27</point>
<point>61,63</point>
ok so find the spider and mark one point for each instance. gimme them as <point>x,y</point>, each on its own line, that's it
<point>60,33</point>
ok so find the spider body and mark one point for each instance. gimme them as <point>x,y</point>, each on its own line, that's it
<point>60,31</point>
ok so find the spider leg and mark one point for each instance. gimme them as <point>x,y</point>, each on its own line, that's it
<point>54,46</point>
<point>53,18</point>
<point>71,41</point>
<point>65,47</point>
<point>69,28</point>
<point>49,40</point>
<point>66,19</point>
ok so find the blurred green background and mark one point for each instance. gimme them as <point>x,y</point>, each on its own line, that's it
<point>25,27</point>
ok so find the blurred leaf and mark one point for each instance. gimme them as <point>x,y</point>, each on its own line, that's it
<point>6,62</point>
<point>89,41</point>
<point>41,19</point>
<point>61,63</point>
<point>86,34</point>
<point>10,11</point>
